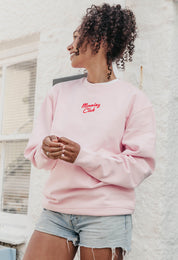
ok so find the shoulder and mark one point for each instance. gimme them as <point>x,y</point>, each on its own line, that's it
<point>58,88</point>
<point>138,98</point>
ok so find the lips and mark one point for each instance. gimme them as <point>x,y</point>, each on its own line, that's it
<point>72,54</point>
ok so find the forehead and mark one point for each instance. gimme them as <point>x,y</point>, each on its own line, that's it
<point>77,30</point>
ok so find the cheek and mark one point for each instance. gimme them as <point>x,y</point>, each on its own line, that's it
<point>75,45</point>
<point>76,61</point>
<point>79,61</point>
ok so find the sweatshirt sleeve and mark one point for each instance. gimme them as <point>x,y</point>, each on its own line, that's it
<point>137,159</point>
<point>41,129</point>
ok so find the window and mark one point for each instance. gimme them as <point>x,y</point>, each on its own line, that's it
<point>17,93</point>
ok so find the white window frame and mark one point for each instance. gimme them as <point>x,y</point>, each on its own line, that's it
<point>13,226</point>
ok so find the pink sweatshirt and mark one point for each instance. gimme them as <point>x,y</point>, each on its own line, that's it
<point>115,126</point>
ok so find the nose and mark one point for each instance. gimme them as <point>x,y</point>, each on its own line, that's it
<point>70,47</point>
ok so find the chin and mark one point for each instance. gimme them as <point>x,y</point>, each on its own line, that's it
<point>76,65</point>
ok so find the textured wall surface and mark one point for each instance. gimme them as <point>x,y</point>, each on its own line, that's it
<point>155,233</point>
<point>155,229</point>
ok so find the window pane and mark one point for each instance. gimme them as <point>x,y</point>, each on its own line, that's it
<point>16,178</point>
<point>19,94</point>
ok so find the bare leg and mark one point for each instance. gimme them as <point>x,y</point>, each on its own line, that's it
<point>43,246</point>
<point>100,253</point>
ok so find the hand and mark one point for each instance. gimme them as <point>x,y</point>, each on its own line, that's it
<point>70,149</point>
<point>60,148</point>
<point>51,147</point>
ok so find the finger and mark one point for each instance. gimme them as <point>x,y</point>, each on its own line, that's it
<point>68,156</point>
<point>48,154</point>
<point>47,141</point>
<point>53,138</point>
<point>67,153</point>
<point>62,153</point>
<point>54,156</point>
<point>52,149</point>
<point>69,148</point>
<point>65,140</point>
<point>65,158</point>
<point>58,155</point>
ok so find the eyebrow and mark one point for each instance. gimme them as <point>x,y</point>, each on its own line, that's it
<point>75,32</point>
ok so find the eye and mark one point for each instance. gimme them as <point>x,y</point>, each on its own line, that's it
<point>75,36</point>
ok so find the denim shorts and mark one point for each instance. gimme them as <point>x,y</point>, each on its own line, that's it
<point>88,231</point>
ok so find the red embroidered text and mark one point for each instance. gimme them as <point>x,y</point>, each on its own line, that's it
<point>89,108</point>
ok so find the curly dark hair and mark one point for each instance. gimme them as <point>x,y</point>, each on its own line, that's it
<point>115,26</point>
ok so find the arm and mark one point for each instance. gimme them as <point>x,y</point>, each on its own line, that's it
<point>137,161</point>
<point>41,129</point>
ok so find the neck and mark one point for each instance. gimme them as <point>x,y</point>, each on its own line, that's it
<point>99,77</point>
<point>97,71</point>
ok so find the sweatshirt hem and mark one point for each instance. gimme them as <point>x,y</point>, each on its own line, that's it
<point>109,211</point>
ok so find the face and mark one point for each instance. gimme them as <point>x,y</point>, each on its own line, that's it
<point>82,60</point>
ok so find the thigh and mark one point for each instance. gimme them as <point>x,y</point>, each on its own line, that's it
<point>43,246</point>
<point>100,253</point>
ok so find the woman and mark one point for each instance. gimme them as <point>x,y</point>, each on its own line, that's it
<point>97,136</point>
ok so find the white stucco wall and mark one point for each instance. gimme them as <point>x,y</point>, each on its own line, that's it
<point>155,231</point>
<point>155,220</point>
